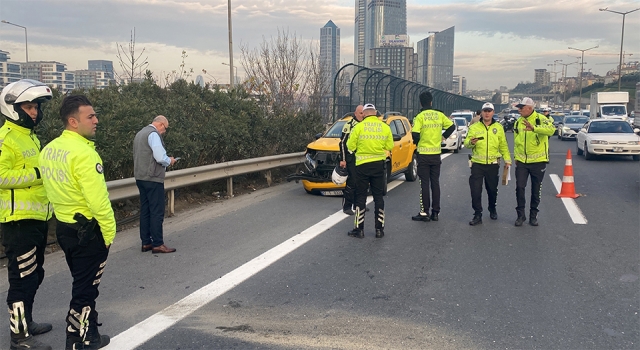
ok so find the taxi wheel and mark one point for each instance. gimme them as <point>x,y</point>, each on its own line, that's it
<point>636,158</point>
<point>412,172</point>
<point>578,150</point>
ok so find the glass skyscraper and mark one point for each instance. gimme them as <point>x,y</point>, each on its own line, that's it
<point>329,52</point>
<point>435,60</point>
<point>383,17</point>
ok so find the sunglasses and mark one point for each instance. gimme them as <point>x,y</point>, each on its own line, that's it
<point>487,110</point>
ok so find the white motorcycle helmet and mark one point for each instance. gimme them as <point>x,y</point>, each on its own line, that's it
<point>339,175</point>
<point>25,90</point>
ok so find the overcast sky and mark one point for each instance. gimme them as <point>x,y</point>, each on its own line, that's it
<point>497,42</point>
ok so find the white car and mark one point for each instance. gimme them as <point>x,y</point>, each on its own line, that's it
<point>466,114</point>
<point>453,142</point>
<point>462,125</point>
<point>608,136</point>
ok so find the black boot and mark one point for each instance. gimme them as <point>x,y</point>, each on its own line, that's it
<point>93,339</point>
<point>520,220</point>
<point>493,214</point>
<point>356,232</point>
<point>533,219</point>
<point>379,232</point>
<point>34,327</point>
<point>421,217</point>
<point>20,342</point>
<point>477,220</point>
<point>434,215</point>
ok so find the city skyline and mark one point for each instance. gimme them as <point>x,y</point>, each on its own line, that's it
<point>497,42</point>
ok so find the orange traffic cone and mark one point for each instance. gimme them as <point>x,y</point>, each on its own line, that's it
<point>568,189</point>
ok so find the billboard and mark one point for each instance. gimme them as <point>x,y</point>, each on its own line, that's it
<point>401,40</point>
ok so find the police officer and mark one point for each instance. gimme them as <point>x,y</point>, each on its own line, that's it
<point>370,140</point>
<point>348,160</point>
<point>73,177</point>
<point>488,144</point>
<point>531,152</point>
<point>25,208</point>
<point>427,135</point>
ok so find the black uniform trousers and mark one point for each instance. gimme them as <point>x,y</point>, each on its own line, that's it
<point>349,192</point>
<point>523,171</point>
<point>86,264</point>
<point>429,173</point>
<point>489,174</point>
<point>24,242</point>
<point>370,174</point>
<point>151,212</point>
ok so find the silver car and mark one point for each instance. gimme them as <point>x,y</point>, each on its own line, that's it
<point>570,126</point>
<point>608,136</point>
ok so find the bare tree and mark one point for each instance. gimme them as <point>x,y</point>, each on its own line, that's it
<point>133,66</point>
<point>180,74</point>
<point>277,71</point>
<point>319,81</point>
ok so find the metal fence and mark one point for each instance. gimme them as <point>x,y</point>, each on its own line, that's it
<point>354,85</point>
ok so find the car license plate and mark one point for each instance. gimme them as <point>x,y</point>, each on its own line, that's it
<point>617,149</point>
<point>331,193</point>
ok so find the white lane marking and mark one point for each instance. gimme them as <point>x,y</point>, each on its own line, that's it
<point>569,203</point>
<point>147,329</point>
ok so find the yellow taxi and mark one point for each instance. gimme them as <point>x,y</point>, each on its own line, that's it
<point>322,156</point>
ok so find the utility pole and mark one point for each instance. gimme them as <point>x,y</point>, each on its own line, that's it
<point>230,46</point>
<point>582,71</point>
<point>564,81</point>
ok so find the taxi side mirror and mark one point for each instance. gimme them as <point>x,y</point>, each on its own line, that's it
<point>318,135</point>
<point>396,137</point>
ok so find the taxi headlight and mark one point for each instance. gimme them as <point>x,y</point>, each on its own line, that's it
<point>453,136</point>
<point>634,142</point>
<point>599,142</point>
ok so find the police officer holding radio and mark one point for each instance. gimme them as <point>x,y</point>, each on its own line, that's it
<point>531,152</point>
<point>348,161</point>
<point>25,208</point>
<point>72,173</point>
<point>488,145</point>
<point>370,140</point>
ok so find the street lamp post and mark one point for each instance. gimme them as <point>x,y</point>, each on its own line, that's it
<point>582,71</point>
<point>236,68</point>
<point>230,45</point>
<point>624,14</point>
<point>564,81</point>
<point>26,46</point>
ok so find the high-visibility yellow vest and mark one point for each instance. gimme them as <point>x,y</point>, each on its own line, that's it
<point>492,146</point>
<point>370,139</point>
<point>430,123</point>
<point>22,195</point>
<point>72,173</point>
<point>532,146</point>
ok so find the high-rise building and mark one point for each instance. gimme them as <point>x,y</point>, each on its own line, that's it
<point>92,79</point>
<point>51,73</point>
<point>10,72</point>
<point>383,17</point>
<point>395,53</point>
<point>459,85</point>
<point>435,59</point>
<point>102,65</point>
<point>542,77</point>
<point>329,52</point>
<point>359,32</point>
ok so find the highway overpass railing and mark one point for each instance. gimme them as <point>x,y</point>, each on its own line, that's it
<point>354,85</point>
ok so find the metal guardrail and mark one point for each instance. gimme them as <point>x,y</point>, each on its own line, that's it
<point>126,188</point>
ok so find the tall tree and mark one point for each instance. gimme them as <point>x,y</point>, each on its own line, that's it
<point>132,64</point>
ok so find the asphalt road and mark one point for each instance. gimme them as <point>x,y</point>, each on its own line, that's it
<point>436,285</point>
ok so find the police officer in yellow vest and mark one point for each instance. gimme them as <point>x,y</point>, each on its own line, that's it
<point>370,140</point>
<point>427,135</point>
<point>488,145</point>
<point>348,160</point>
<point>531,151</point>
<point>24,207</point>
<point>73,177</point>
